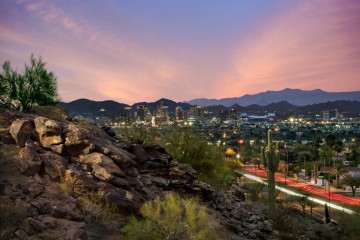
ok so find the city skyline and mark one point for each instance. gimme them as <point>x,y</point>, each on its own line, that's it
<point>128,51</point>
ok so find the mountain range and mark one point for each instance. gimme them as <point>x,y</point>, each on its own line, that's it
<point>85,106</point>
<point>82,106</point>
<point>295,97</point>
<point>255,104</point>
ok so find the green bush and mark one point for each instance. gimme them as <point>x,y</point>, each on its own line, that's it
<point>35,86</point>
<point>187,147</point>
<point>142,133</point>
<point>171,218</point>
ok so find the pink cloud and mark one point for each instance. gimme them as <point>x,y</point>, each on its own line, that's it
<point>315,45</point>
<point>312,46</point>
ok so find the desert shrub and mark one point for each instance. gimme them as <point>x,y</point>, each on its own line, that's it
<point>282,219</point>
<point>350,224</point>
<point>138,132</point>
<point>64,190</point>
<point>139,230</point>
<point>98,210</point>
<point>52,112</point>
<point>23,91</point>
<point>187,147</point>
<point>255,191</point>
<point>11,218</point>
<point>171,218</point>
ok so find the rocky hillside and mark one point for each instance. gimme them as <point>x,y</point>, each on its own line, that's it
<point>62,163</point>
<point>64,180</point>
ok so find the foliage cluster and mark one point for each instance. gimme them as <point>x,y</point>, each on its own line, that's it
<point>352,181</point>
<point>303,200</point>
<point>35,86</point>
<point>208,160</point>
<point>138,132</point>
<point>169,219</point>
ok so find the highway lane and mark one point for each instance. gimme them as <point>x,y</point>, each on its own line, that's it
<point>305,187</point>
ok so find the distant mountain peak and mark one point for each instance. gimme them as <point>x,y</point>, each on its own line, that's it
<point>295,97</point>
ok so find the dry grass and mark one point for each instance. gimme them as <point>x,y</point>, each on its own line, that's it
<point>99,211</point>
<point>11,218</point>
<point>56,113</point>
<point>9,158</point>
<point>63,190</point>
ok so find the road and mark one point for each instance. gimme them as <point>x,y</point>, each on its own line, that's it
<point>305,187</point>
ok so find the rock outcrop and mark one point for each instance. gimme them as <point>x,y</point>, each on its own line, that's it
<point>126,172</point>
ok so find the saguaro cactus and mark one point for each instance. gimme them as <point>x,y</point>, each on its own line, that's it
<point>270,157</point>
<point>327,215</point>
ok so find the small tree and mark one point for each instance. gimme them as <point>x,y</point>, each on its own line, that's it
<point>311,205</point>
<point>36,86</point>
<point>302,200</point>
<point>168,219</point>
<point>351,181</point>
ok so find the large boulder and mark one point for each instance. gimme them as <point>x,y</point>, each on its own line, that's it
<point>121,157</point>
<point>59,149</point>
<point>102,173</point>
<point>21,130</point>
<point>81,183</point>
<point>104,162</point>
<point>54,165</point>
<point>181,174</point>
<point>30,161</point>
<point>77,140</point>
<point>127,202</point>
<point>140,153</point>
<point>157,153</point>
<point>49,131</point>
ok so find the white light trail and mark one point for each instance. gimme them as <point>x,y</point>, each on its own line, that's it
<point>255,178</point>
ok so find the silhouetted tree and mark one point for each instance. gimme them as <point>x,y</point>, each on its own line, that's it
<point>338,171</point>
<point>351,181</point>
<point>338,147</point>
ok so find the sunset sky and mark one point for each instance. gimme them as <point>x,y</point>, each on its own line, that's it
<point>132,50</point>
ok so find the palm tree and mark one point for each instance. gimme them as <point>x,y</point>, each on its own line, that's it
<point>338,147</point>
<point>338,171</point>
<point>315,156</point>
<point>326,153</point>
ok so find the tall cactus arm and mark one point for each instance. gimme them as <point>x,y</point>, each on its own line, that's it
<point>263,158</point>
